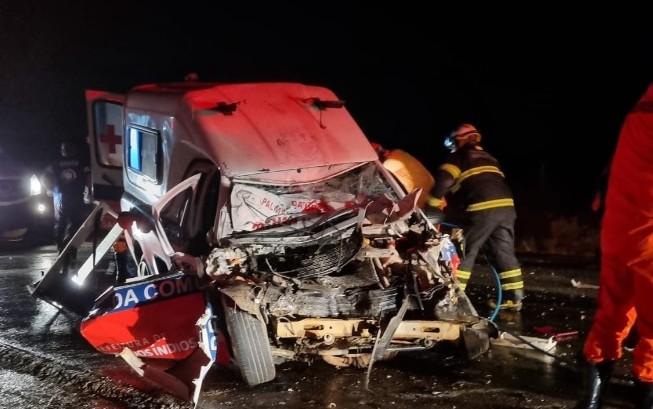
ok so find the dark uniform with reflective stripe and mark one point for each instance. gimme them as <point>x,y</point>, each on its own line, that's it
<point>475,179</point>
<point>67,177</point>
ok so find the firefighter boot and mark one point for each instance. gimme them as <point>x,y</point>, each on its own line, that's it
<point>643,395</point>
<point>595,381</point>
<point>511,300</point>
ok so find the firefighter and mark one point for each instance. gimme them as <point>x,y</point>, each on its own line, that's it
<point>626,275</point>
<point>408,170</point>
<point>66,179</point>
<point>478,187</point>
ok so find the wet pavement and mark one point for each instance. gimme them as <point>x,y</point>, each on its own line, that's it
<point>44,361</point>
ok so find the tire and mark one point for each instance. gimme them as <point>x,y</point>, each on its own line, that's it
<point>250,345</point>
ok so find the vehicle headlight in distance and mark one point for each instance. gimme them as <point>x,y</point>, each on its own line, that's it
<point>35,187</point>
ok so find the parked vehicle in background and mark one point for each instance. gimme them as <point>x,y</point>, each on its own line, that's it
<point>26,213</point>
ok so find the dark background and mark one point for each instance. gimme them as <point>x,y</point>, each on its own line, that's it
<point>547,86</point>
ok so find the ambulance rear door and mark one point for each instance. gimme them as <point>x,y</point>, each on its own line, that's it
<point>105,118</point>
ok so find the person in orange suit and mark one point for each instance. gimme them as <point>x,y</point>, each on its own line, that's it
<point>626,273</point>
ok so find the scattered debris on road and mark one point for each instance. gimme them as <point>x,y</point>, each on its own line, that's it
<point>578,284</point>
<point>509,340</point>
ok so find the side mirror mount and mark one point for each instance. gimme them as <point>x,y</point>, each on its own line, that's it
<point>126,219</point>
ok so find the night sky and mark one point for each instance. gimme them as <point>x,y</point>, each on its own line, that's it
<point>547,86</point>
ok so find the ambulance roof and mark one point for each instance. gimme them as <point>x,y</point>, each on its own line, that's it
<point>261,128</point>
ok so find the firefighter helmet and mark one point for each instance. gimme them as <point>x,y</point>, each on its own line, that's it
<point>462,135</point>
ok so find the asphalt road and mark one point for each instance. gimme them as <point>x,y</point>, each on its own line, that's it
<point>44,362</point>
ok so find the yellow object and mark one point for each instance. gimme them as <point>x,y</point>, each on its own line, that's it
<point>410,173</point>
<point>435,202</point>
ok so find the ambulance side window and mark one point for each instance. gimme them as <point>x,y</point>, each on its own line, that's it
<point>143,152</point>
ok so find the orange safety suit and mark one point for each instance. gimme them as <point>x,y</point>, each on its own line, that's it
<point>626,282</point>
<point>410,173</point>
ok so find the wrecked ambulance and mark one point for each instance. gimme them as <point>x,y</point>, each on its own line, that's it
<point>262,229</point>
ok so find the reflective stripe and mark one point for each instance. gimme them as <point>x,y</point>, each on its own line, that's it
<point>508,304</point>
<point>434,201</point>
<point>512,286</point>
<point>462,286</point>
<point>510,274</point>
<point>464,275</point>
<point>478,170</point>
<point>453,170</point>
<point>474,171</point>
<point>490,204</point>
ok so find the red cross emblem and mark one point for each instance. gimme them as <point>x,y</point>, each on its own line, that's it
<point>111,138</point>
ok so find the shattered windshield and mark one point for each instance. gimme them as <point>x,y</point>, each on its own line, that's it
<point>255,207</point>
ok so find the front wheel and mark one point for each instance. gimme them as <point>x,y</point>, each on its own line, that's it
<point>250,345</point>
